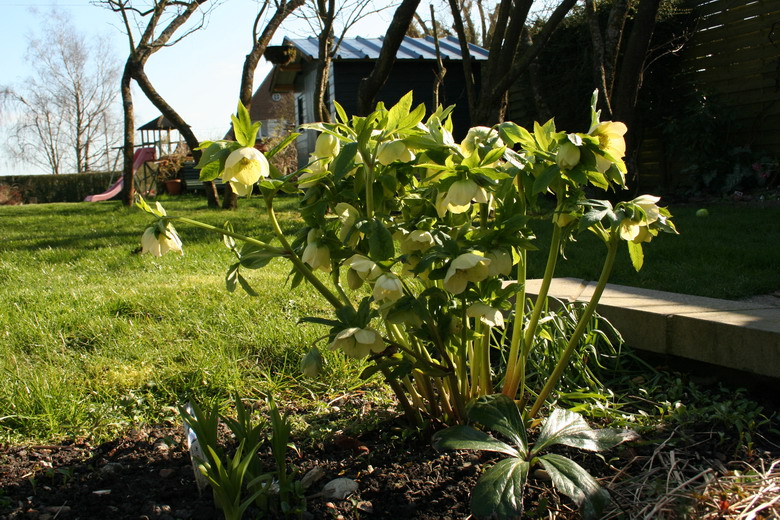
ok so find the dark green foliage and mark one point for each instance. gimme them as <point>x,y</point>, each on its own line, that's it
<point>60,188</point>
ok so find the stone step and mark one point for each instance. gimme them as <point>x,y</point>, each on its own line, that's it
<point>737,335</point>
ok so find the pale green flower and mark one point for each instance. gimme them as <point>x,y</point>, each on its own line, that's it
<point>316,255</point>
<point>360,269</point>
<point>243,168</point>
<point>393,151</point>
<point>500,262</point>
<point>459,197</point>
<point>348,215</point>
<point>638,231</point>
<point>388,287</point>
<point>488,315</point>
<point>357,342</point>
<point>611,141</point>
<point>476,137</point>
<point>157,240</point>
<point>417,240</point>
<point>568,155</point>
<point>328,145</point>
<point>468,267</point>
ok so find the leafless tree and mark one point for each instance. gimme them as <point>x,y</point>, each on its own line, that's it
<point>151,25</point>
<point>260,40</point>
<point>64,110</point>
<point>330,20</point>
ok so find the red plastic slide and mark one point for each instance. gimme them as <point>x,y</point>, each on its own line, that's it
<point>141,156</point>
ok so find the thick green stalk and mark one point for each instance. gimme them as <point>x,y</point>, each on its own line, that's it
<point>518,380</point>
<point>298,263</point>
<point>517,330</point>
<point>574,340</point>
<point>226,232</point>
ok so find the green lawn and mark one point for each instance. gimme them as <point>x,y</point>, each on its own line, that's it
<point>96,336</point>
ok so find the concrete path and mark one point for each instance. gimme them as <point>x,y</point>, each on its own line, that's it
<point>734,334</point>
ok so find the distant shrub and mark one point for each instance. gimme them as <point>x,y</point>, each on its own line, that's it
<point>59,188</point>
<point>10,195</point>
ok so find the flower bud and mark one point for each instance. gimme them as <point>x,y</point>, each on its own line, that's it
<point>327,145</point>
<point>311,363</point>
<point>393,151</point>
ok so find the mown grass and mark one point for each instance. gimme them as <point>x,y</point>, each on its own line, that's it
<point>96,336</point>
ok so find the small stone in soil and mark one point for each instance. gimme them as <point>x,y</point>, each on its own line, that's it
<point>166,472</point>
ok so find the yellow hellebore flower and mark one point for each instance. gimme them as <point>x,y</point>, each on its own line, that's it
<point>459,197</point>
<point>648,204</point>
<point>500,262</point>
<point>243,168</point>
<point>417,240</point>
<point>635,231</point>
<point>393,151</point>
<point>568,155</point>
<point>328,145</point>
<point>357,342</point>
<point>317,256</point>
<point>388,287</point>
<point>486,314</point>
<point>468,267</point>
<point>157,242</point>
<point>611,142</point>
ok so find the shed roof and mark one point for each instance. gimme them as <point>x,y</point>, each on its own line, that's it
<point>158,123</point>
<point>359,48</point>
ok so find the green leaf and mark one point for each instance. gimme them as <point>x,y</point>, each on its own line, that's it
<point>258,259</point>
<point>344,161</point>
<point>245,285</point>
<point>243,128</point>
<point>636,254</point>
<point>211,171</point>
<point>463,437</point>
<point>499,492</point>
<point>282,145</point>
<point>411,120</point>
<point>341,113</point>
<point>572,480</point>
<point>231,278</point>
<point>399,112</point>
<point>570,429</point>
<point>512,133</point>
<point>499,413</point>
<point>380,241</point>
<point>543,181</point>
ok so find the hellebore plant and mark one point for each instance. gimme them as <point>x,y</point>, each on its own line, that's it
<point>419,242</point>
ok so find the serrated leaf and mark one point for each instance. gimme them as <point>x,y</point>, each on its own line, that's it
<point>543,181</point>
<point>499,413</point>
<point>231,278</point>
<point>258,259</point>
<point>636,254</point>
<point>399,111</point>
<point>211,171</point>
<point>570,429</point>
<point>344,160</point>
<point>282,145</point>
<point>380,241</point>
<point>572,480</point>
<point>245,285</point>
<point>499,491</point>
<point>463,437</point>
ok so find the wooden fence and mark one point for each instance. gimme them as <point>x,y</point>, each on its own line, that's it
<point>733,56</point>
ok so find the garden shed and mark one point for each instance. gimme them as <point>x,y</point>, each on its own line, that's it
<point>295,64</point>
<point>160,134</point>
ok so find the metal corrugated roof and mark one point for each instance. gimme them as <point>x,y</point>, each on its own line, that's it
<point>411,48</point>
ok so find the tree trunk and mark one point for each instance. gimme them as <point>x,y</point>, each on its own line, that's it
<point>369,87</point>
<point>138,74</point>
<point>128,182</point>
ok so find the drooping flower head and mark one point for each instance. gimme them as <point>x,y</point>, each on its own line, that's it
<point>357,342</point>
<point>388,288</point>
<point>243,168</point>
<point>393,151</point>
<point>158,240</point>
<point>468,267</point>
<point>328,145</point>
<point>459,197</point>
<point>315,254</point>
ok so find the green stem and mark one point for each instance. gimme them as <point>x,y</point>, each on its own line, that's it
<point>226,232</point>
<point>509,389</point>
<point>298,263</point>
<point>579,331</point>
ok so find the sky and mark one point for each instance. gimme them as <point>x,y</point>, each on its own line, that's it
<point>199,76</point>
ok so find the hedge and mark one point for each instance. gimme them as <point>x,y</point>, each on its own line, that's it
<point>60,188</point>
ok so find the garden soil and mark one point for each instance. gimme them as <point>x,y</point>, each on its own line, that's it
<point>147,474</point>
